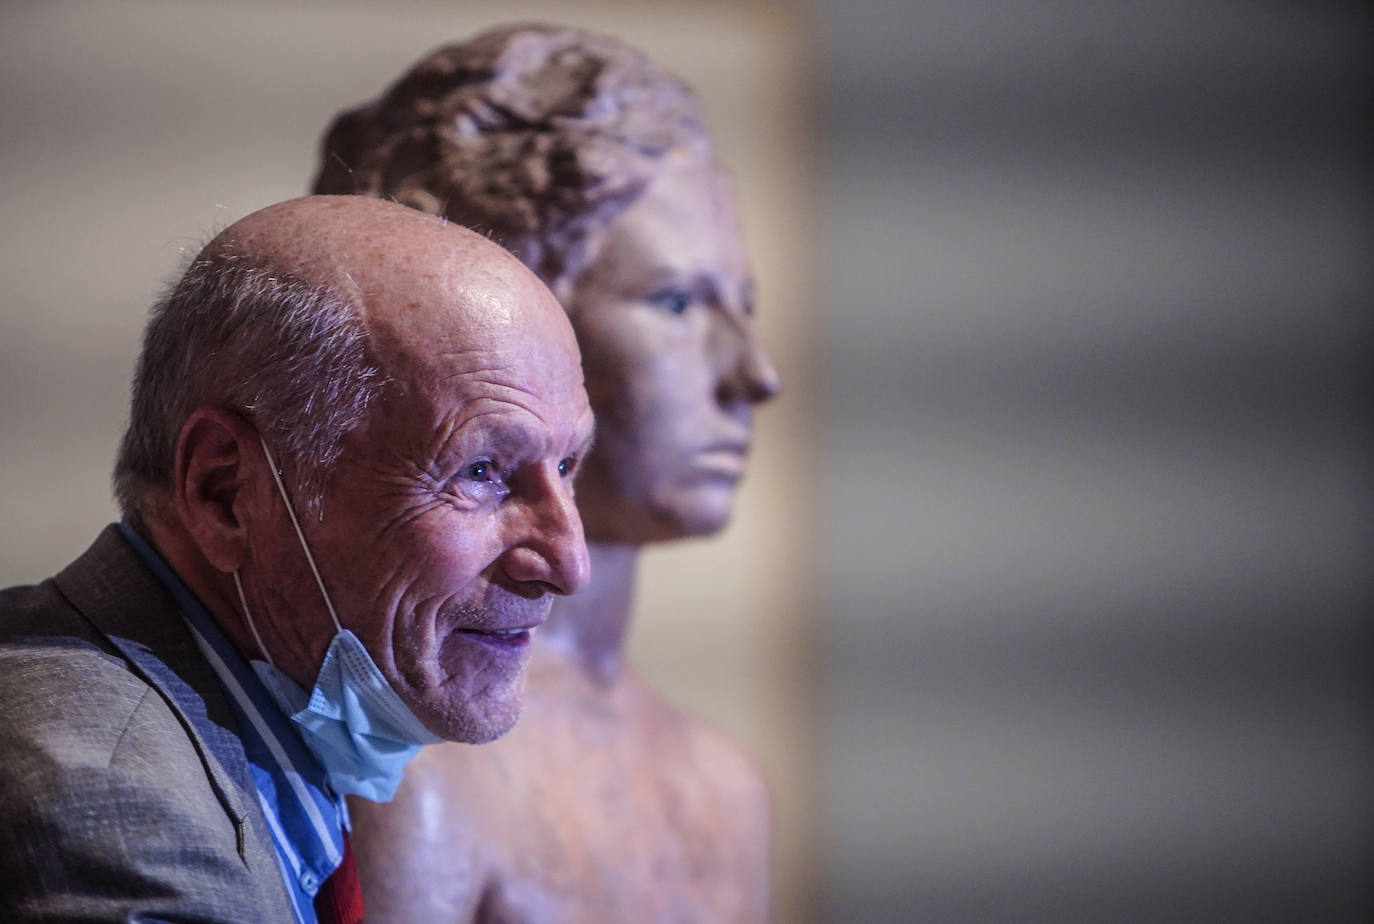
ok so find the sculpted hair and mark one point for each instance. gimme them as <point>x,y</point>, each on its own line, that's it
<point>537,136</point>
<point>288,354</point>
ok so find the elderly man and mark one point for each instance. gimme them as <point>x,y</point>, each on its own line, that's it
<point>347,487</point>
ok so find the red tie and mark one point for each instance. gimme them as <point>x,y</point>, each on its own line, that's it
<point>340,899</point>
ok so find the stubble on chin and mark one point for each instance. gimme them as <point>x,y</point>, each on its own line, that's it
<point>483,716</point>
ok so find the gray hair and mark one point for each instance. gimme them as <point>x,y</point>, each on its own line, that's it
<point>537,136</point>
<point>287,353</point>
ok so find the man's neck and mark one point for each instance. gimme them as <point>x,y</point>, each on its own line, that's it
<point>589,628</point>
<point>181,555</point>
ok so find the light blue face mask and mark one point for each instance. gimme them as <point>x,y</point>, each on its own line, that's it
<point>352,721</point>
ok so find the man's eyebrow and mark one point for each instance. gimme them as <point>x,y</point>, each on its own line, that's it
<point>477,433</point>
<point>504,439</point>
<point>511,438</point>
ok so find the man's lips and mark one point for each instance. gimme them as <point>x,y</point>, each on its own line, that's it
<point>507,639</point>
<point>507,623</point>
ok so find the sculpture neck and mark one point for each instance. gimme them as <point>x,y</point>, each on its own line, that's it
<point>589,628</point>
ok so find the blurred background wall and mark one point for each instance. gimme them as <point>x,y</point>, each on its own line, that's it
<point>1048,599</point>
<point>1095,463</point>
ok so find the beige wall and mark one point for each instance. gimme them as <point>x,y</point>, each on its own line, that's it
<point>133,130</point>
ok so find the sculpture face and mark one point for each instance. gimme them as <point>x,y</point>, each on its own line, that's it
<point>663,316</point>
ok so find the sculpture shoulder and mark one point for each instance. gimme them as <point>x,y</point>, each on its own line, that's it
<point>715,798</point>
<point>424,855</point>
<point>702,749</point>
<point>605,802</point>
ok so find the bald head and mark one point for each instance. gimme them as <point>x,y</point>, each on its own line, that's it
<point>299,315</point>
<point>417,386</point>
<point>358,243</point>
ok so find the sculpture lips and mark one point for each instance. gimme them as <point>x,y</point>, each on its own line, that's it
<point>726,460</point>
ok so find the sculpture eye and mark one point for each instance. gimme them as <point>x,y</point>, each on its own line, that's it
<point>675,300</point>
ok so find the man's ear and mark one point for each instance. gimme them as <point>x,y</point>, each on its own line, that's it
<point>219,465</point>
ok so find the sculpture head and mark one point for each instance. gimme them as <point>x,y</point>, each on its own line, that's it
<point>592,165</point>
<point>420,392</point>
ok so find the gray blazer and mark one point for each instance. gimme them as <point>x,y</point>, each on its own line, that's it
<point>124,791</point>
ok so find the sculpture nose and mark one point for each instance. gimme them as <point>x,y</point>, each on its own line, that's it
<point>751,378</point>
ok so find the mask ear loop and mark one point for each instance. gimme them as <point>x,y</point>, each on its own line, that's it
<point>281,488</point>
<point>243,601</point>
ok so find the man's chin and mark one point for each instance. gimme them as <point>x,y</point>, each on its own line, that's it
<point>479,719</point>
<point>490,731</point>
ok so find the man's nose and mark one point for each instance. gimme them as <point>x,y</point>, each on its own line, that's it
<point>750,377</point>
<point>550,551</point>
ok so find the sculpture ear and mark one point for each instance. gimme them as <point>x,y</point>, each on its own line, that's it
<point>219,468</point>
<point>563,288</point>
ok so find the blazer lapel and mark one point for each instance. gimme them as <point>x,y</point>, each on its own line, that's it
<point>122,599</point>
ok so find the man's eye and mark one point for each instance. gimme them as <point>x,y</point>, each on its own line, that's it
<point>567,466</point>
<point>675,300</point>
<point>480,471</point>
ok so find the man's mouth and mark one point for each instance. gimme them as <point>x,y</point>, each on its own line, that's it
<point>502,623</point>
<point>505,639</point>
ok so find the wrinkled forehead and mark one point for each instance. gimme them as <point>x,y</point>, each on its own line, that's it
<point>436,299</point>
<point>445,323</point>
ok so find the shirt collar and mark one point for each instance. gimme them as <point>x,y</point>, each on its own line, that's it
<point>238,669</point>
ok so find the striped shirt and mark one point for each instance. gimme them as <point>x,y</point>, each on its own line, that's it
<point>306,818</point>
